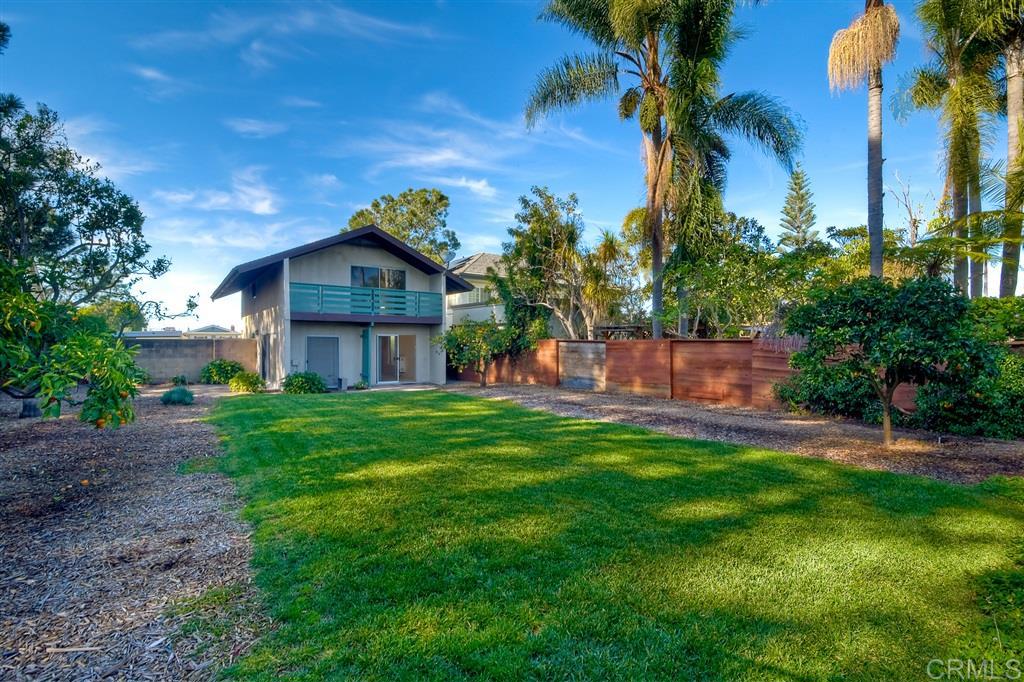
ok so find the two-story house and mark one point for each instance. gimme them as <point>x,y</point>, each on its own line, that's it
<point>481,302</point>
<point>358,305</point>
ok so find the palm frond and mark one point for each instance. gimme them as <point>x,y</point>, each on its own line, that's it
<point>586,17</point>
<point>629,102</point>
<point>574,80</point>
<point>763,121</point>
<point>867,44</point>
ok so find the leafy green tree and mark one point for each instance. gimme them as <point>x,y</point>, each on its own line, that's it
<point>118,314</point>
<point>856,55</point>
<point>47,348</point>
<point>671,52</point>
<point>886,335</point>
<point>1011,39</point>
<point>78,235</point>
<point>475,344</point>
<point>419,217</point>
<point>798,213</point>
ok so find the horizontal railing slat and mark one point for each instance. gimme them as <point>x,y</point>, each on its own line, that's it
<point>339,300</point>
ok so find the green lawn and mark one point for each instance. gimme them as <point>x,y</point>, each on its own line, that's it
<point>426,534</point>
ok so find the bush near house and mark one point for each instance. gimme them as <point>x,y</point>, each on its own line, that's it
<point>304,382</point>
<point>976,401</point>
<point>220,371</point>
<point>247,382</point>
<point>180,380</point>
<point>178,395</point>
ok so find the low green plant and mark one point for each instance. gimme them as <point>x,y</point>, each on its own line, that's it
<point>829,388</point>
<point>180,380</point>
<point>179,395</point>
<point>247,382</point>
<point>360,385</point>
<point>304,382</point>
<point>980,399</point>
<point>220,371</point>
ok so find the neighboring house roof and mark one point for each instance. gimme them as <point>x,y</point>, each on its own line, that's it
<point>159,334</point>
<point>245,274</point>
<point>212,329</point>
<point>478,264</point>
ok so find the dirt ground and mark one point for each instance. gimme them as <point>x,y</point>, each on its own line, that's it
<point>958,459</point>
<point>110,558</point>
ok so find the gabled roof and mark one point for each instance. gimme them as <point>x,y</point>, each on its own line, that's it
<point>211,329</point>
<point>478,264</point>
<point>245,274</point>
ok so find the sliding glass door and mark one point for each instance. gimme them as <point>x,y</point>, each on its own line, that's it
<point>396,358</point>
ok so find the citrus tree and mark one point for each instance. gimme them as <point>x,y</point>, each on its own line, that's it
<point>47,349</point>
<point>475,345</point>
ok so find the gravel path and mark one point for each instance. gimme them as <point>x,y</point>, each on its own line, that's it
<point>105,547</point>
<point>962,460</point>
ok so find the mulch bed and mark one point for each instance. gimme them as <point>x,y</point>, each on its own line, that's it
<point>957,459</point>
<point>111,561</point>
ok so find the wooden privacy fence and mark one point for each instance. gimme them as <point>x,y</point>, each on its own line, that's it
<point>738,372</point>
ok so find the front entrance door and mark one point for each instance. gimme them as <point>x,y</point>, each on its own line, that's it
<point>396,358</point>
<point>322,358</point>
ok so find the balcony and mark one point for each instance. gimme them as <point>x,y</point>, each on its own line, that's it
<point>363,304</point>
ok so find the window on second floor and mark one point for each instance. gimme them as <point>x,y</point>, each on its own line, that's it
<point>377,278</point>
<point>476,296</point>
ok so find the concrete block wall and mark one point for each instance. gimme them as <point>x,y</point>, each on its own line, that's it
<point>164,359</point>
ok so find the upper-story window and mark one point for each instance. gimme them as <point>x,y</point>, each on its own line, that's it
<point>378,278</point>
<point>477,295</point>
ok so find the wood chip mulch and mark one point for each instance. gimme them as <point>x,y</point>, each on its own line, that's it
<point>956,459</point>
<point>113,564</point>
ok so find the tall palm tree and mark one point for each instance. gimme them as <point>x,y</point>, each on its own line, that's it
<point>857,54</point>
<point>656,44</point>
<point>959,82</point>
<point>1013,55</point>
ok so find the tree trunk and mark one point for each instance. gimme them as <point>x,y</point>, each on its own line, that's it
<point>30,408</point>
<point>1014,120</point>
<point>960,268</point>
<point>684,316</point>
<point>875,193</point>
<point>977,265</point>
<point>887,422</point>
<point>482,371</point>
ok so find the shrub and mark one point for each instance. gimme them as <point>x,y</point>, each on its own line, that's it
<point>360,385</point>
<point>833,389</point>
<point>180,380</point>
<point>247,382</point>
<point>1002,317</point>
<point>976,401</point>
<point>220,371</point>
<point>178,395</point>
<point>304,382</point>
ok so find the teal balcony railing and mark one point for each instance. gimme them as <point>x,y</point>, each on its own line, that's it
<point>328,299</point>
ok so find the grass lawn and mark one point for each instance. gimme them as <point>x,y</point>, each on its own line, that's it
<point>426,534</point>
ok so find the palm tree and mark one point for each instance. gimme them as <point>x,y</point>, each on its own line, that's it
<point>857,54</point>
<point>656,44</point>
<point>959,82</point>
<point>1013,53</point>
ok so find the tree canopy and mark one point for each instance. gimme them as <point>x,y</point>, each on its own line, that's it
<point>419,217</point>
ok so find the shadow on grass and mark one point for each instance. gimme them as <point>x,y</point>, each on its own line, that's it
<point>437,535</point>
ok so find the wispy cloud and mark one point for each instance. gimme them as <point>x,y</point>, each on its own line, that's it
<point>254,127</point>
<point>480,187</point>
<point>325,188</point>
<point>86,134</point>
<point>414,147</point>
<point>300,102</point>
<point>249,194</point>
<point>263,39</point>
<point>158,85</point>
<point>228,233</point>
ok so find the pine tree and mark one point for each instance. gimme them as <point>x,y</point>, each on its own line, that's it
<point>798,214</point>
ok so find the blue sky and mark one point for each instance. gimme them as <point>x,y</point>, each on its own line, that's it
<point>246,128</point>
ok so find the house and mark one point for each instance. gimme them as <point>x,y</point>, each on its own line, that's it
<point>158,334</point>
<point>360,305</point>
<point>481,301</point>
<point>212,331</point>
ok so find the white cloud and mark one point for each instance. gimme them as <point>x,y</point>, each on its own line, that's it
<point>300,102</point>
<point>249,193</point>
<point>158,85</point>
<point>253,127</point>
<point>86,136</point>
<point>228,233</point>
<point>480,188</point>
<point>475,243</point>
<point>264,38</point>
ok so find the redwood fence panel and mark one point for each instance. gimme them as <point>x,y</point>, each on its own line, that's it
<point>716,371</point>
<point>639,367</point>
